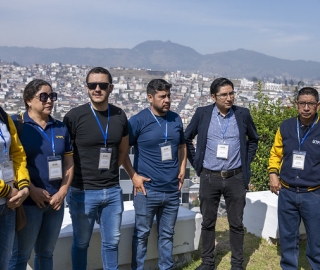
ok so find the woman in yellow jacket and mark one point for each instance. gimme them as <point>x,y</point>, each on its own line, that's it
<point>14,184</point>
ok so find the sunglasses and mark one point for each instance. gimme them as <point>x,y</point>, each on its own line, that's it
<point>43,97</point>
<point>102,85</point>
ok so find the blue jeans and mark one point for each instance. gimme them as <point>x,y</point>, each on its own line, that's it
<point>212,186</point>
<point>41,233</point>
<point>87,206</point>
<point>165,207</point>
<point>7,227</point>
<point>292,207</point>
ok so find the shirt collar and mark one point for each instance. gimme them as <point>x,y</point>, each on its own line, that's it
<point>216,112</point>
<point>28,119</point>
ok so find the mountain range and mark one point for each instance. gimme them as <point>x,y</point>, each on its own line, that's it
<point>169,56</point>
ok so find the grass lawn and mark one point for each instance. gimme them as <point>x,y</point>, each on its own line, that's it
<point>258,253</point>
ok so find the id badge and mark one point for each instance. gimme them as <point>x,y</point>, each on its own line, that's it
<point>222,151</point>
<point>166,151</point>
<point>105,158</point>
<point>7,172</point>
<point>298,159</point>
<point>55,168</point>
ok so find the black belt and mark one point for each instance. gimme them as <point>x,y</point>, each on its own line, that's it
<point>298,189</point>
<point>224,174</point>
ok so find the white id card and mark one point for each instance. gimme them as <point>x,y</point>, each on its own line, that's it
<point>222,151</point>
<point>166,152</point>
<point>298,158</point>
<point>7,172</point>
<point>55,168</point>
<point>105,158</point>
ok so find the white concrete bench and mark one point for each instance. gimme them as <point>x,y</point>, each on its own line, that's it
<point>260,215</point>
<point>186,240</point>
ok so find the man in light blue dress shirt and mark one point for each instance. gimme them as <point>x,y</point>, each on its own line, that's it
<point>227,141</point>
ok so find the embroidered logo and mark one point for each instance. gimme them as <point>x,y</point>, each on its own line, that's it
<point>316,142</point>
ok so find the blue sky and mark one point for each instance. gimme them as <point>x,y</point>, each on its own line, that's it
<point>287,29</point>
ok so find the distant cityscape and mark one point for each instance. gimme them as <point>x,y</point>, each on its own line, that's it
<point>189,91</point>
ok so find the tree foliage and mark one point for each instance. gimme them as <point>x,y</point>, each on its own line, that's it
<point>267,116</point>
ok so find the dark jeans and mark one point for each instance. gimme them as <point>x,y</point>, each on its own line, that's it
<point>40,234</point>
<point>292,207</point>
<point>212,187</point>
<point>7,225</point>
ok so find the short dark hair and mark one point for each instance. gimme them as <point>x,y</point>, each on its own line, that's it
<point>218,83</point>
<point>308,91</point>
<point>157,85</point>
<point>32,88</point>
<point>99,70</point>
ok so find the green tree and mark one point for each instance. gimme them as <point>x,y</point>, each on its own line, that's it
<point>267,116</point>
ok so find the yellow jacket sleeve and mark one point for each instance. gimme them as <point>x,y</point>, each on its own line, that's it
<point>276,154</point>
<point>4,188</point>
<point>18,157</point>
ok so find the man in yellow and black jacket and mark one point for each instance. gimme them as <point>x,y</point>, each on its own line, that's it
<point>294,171</point>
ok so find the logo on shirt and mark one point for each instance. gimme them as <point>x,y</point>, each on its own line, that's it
<point>316,142</point>
<point>59,137</point>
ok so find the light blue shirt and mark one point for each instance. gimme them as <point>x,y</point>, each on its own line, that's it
<point>228,125</point>
<point>4,145</point>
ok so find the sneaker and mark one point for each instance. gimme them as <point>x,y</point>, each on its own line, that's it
<point>204,266</point>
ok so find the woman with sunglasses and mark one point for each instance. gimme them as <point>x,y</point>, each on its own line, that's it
<point>12,166</point>
<point>50,163</point>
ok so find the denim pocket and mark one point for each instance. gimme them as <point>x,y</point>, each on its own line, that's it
<point>316,193</point>
<point>75,196</point>
<point>76,190</point>
<point>140,204</point>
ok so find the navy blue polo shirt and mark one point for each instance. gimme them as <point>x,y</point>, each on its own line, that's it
<point>145,135</point>
<point>38,147</point>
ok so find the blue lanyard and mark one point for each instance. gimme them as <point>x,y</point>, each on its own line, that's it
<point>4,140</point>
<point>306,135</point>
<point>104,134</point>
<point>52,138</point>
<point>165,134</point>
<point>225,128</point>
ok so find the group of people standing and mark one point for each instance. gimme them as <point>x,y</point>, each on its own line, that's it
<point>79,159</point>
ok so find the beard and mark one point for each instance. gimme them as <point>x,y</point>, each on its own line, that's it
<point>161,110</point>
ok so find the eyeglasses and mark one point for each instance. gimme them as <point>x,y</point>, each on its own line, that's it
<point>225,95</point>
<point>162,86</point>
<point>302,104</point>
<point>102,85</point>
<point>43,97</point>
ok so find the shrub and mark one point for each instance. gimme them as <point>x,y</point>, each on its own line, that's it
<point>267,116</point>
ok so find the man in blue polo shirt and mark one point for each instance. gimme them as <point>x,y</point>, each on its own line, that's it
<point>294,157</point>
<point>159,168</point>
